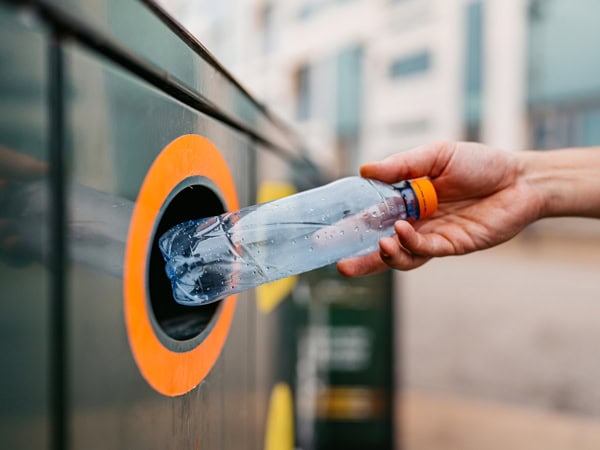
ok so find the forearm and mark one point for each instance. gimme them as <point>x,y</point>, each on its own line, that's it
<point>566,182</point>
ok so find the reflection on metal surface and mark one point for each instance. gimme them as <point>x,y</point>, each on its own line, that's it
<point>166,62</point>
<point>25,303</point>
<point>97,224</point>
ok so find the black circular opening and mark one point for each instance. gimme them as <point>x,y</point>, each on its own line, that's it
<point>192,199</point>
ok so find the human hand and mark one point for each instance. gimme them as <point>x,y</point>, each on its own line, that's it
<point>484,200</point>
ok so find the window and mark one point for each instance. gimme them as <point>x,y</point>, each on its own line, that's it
<point>563,51</point>
<point>349,86</point>
<point>349,90</point>
<point>590,128</point>
<point>554,126</point>
<point>303,92</point>
<point>310,8</point>
<point>266,25</point>
<point>408,66</point>
<point>564,73</point>
<point>474,71</point>
<point>307,10</point>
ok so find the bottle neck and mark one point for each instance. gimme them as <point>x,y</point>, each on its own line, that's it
<point>410,199</point>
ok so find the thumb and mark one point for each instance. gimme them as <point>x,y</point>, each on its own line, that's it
<point>427,160</point>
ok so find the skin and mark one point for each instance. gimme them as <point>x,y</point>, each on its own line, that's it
<point>486,197</point>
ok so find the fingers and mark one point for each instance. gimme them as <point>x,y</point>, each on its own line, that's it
<point>391,255</point>
<point>398,257</point>
<point>410,249</point>
<point>396,252</point>
<point>427,160</point>
<point>410,240</point>
<point>362,265</point>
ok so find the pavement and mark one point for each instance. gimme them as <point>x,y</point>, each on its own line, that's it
<point>504,344</point>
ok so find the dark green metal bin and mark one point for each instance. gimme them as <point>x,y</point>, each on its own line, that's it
<point>91,93</point>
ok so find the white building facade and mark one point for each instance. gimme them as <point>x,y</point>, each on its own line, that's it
<point>363,79</point>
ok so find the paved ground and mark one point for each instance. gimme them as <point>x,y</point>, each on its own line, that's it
<point>512,332</point>
<point>444,422</point>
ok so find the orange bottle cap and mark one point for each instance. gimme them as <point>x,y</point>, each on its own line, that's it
<point>426,196</point>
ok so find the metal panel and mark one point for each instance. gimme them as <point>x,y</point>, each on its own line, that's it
<point>172,52</point>
<point>133,123</point>
<point>24,276</point>
<point>122,82</point>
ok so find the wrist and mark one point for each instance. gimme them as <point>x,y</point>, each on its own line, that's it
<point>563,182</point>
<point>537,174</point>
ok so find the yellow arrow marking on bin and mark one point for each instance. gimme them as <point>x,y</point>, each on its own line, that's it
<point>271,294</point>
<point>280,419</point>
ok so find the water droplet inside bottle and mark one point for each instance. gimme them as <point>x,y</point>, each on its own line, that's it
<point>310,249</point>
<point>356,228</point>
<point>341,232</point>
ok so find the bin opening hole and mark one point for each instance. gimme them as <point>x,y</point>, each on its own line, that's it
<point>187,202</point>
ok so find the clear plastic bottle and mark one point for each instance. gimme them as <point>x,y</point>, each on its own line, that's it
<point>208,259</point>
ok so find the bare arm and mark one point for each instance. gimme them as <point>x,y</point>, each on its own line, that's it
<point>486,197</point>
<point>567,181</point>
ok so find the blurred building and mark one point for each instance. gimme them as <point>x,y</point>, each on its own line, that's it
<point>363,79</point>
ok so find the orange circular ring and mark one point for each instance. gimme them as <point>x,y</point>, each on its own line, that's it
<point>171,373</point>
